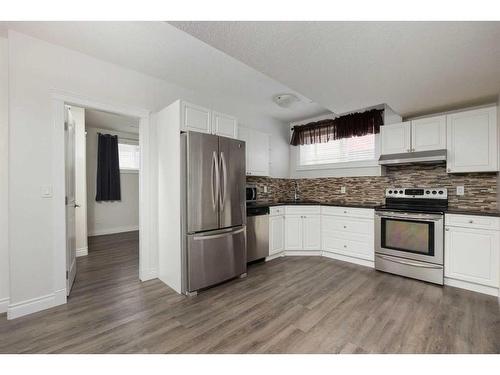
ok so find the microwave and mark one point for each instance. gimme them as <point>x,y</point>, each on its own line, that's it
<point>251,193</point>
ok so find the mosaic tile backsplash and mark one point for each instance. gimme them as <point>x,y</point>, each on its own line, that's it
<point>480,188</point>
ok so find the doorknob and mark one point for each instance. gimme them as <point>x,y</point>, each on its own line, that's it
<point>76,205</point>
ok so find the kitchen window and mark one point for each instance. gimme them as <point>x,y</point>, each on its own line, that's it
<point>354,149</point>
<point>129,157</point>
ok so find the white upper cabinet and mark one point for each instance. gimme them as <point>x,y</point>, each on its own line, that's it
<point>395,138</point>
<point>195,117</point>
<point>472,141</point>
<point>204,120</point>
<point>428,134</point>
<point>224,125</point>
<point>418,135</point>
<point>257,151</point>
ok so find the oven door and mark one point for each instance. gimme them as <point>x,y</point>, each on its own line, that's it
<point>410,235</point>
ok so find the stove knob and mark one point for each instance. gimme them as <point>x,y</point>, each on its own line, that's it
<point>434,192</point>
<point>390,191</point>
<point>401,192</point>
<point>440,192</point>
<point>427,192</point>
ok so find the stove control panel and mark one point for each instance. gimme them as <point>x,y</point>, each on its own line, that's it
<point>427,193</point>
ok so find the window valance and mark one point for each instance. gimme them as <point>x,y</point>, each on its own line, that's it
<point>351,125</point>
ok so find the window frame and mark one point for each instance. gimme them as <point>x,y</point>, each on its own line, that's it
<point>343,165</point>
<point>133,143</point>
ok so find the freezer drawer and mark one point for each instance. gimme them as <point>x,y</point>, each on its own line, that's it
<point>215,256</point>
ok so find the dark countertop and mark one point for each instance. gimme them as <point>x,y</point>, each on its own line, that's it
<point>462,211</point>
<point>457,211</point>
<point>315,203</point>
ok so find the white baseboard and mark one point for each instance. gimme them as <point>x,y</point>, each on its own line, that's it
<point>274,256</point>
<point>302,253</point>
<point>472,286</point>
<point>361,262</point>
<point>148,275</point>
<point>33,305</point>
<point>82,251</point>
<point>101,232</point>
<point>4,304</point>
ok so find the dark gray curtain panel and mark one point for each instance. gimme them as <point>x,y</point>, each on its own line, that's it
<point>108,169</point>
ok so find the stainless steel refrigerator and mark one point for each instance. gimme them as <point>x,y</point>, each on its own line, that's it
<point>214,213</point>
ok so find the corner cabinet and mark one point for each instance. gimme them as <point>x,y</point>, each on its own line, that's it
<point>257,151</point>
<point>302,228</point>
<point>472,141</point>
<point>204,120</point>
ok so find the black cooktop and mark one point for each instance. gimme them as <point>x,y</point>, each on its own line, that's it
<point>414,205</point>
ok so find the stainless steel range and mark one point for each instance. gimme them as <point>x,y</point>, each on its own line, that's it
<point>409,233</point>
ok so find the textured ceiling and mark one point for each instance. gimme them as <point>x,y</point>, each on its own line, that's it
<point>414,67</point>
<point>163,51</point>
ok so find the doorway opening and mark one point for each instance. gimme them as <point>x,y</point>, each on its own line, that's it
<point>102,179</point>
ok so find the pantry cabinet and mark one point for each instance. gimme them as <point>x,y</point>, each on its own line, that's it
<point>204,120</point>
<point>257,151</point>
<point>472,141</point>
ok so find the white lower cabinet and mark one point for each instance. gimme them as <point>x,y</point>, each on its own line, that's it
<point>311,232</point>
<point>348,236</point>
<point>472,255</point>
<point>293,232</point>
<point>302,228</point>
<point>276,234</point>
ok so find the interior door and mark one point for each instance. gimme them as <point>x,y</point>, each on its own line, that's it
<point>203,179</point>
<point>69,151</point>
<point>232,182</point>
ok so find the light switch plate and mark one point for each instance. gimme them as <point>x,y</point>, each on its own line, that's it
<point>46,191</point>
<point>342,190</point>
<point>460,190</point>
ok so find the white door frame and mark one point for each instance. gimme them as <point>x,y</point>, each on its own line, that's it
<point>147,269</point>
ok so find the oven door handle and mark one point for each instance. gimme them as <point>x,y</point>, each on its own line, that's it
<point>423,217</point>
<point>405,262</point>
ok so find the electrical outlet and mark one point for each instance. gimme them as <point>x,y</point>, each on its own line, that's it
<point>265,188</point>
<point>460,190</point>
<point>342,190</point>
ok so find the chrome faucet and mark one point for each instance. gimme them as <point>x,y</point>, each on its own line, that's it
<point>296,196</point>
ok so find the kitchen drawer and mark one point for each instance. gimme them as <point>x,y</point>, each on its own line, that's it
<point>349,225</point>
<point>302,210</point>
<point>355,248</point>
<point>366,213</point>
<point>472,221</point>
<point>277,210</point>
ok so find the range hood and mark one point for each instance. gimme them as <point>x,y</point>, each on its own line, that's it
<point>434,156</point>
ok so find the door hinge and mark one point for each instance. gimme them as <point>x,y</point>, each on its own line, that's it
<point>66,200</point>
<point>67,275</point>
<point>65,126</point>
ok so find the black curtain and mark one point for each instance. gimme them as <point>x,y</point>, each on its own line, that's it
<point>108,169</point>
<point>351,125</point>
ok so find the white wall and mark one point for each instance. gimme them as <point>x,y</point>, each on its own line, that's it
<point>116,216</point>
<point>4,255</point>
<point>36,68</point>
<point>80,181</point>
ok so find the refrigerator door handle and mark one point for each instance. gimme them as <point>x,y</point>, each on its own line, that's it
<point>224,182</point>
<point>215,166</point>
<point>218,235</point>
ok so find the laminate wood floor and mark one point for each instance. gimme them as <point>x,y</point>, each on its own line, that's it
<point>288,305</point>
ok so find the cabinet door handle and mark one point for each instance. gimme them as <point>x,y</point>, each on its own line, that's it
<point>448,170</point>
<point>447,229</point>
<point>471,221</point>
<point>345,226</point>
